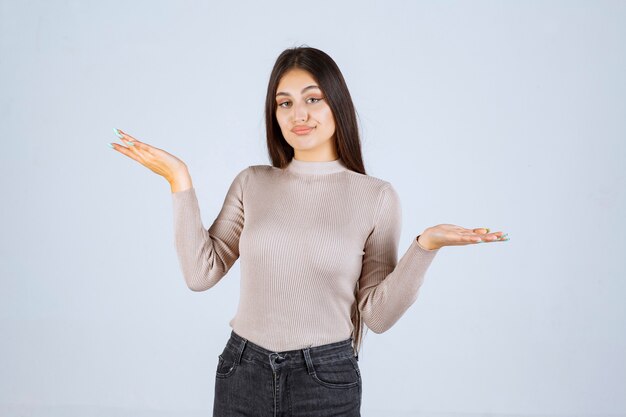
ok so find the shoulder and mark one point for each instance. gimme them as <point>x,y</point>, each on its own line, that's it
<point>255,170</point>
<point>378,194</point>
<point>262,169</point>
<point>254,173</point>
<point>372,185</point>
<point>384,196</point>
<point>258,172</point>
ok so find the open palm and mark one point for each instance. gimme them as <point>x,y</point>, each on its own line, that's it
<point>155,159</point>
<point>453,235</point>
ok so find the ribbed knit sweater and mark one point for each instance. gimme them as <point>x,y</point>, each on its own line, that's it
<point>305,235</point>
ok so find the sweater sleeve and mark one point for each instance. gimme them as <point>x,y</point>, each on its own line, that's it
<point>387,287</point>
<point>205,256</point>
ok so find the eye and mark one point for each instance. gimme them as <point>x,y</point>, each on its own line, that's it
<point>312,100</point>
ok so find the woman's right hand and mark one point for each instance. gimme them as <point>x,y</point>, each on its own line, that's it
<point>157,160</point>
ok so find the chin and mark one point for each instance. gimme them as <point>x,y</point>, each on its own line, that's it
<point>303,143</point>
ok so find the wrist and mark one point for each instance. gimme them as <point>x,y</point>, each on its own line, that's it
<point>425,243</point>
<point>180,181</point>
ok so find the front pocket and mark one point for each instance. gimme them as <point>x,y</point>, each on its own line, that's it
<point>225,367</point>
<point>340,373</point>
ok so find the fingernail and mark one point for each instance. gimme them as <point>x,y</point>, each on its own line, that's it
<point>117,132</point>
<point>488,229</point>
<point>111,146</point>
<point>130,143</point>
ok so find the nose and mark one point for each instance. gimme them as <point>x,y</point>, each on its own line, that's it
<point>299,112</point>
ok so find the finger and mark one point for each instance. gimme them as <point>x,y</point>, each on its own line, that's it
<point>126,136</point>
<point>496,237</point>
<point>490,237</point>
<point>124,150</point>
<point>467,237</point>
<point>135,144</point>
<point>486,235</point>
<point>123,135</point>
<point>127,139</point>
<point>132,142</point>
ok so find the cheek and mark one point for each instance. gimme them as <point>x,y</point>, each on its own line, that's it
<point>282,121</point>
<point>325,116</point>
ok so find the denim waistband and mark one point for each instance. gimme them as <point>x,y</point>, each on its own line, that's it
<point>238,345</point>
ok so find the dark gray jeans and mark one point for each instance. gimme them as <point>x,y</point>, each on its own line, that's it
<point>311,382</point>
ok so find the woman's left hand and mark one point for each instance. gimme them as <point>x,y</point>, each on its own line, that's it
<point>441,235</point>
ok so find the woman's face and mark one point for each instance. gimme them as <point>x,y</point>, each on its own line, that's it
<point>304,117</point>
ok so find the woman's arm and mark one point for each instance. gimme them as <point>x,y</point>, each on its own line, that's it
<point>206,255</point>
<point>387,287</point>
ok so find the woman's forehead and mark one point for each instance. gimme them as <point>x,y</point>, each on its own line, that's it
<point>296,79</point>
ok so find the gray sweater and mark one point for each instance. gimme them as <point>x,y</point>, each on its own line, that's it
<point>305,235</point>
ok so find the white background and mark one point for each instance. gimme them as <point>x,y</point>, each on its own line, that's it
<point>509,115</point>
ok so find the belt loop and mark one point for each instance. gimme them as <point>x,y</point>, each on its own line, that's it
<point>309,362</point>
<point>242,346</point>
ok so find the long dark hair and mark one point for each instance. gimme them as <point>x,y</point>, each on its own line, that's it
<point>330,80</point>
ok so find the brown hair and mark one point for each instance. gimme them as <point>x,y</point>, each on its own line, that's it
<point>330,80</point>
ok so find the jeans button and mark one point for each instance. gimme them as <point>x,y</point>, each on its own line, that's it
<point>280,359</point>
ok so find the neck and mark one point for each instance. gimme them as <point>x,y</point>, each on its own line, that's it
<point>316,167</point>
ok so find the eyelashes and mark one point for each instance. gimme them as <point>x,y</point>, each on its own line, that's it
<point>315,100</point>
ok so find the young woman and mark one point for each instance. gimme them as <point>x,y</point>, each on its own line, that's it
<point>317,238</point>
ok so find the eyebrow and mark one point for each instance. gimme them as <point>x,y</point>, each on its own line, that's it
<point>282,93</point>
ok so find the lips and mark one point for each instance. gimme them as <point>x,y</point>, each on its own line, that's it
<point>301,130</point>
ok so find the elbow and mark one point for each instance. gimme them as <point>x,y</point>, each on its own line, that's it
<point>375,318</point>
<point>196,288</point>
<point>379,329</point>
<point>198,282</point>
<point>377,326</point>
<point>198,285</point>
<point>203,277</point>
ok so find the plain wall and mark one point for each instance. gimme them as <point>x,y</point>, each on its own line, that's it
<point>509,115</point>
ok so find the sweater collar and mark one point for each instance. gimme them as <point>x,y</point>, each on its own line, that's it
<point>316,167</point>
